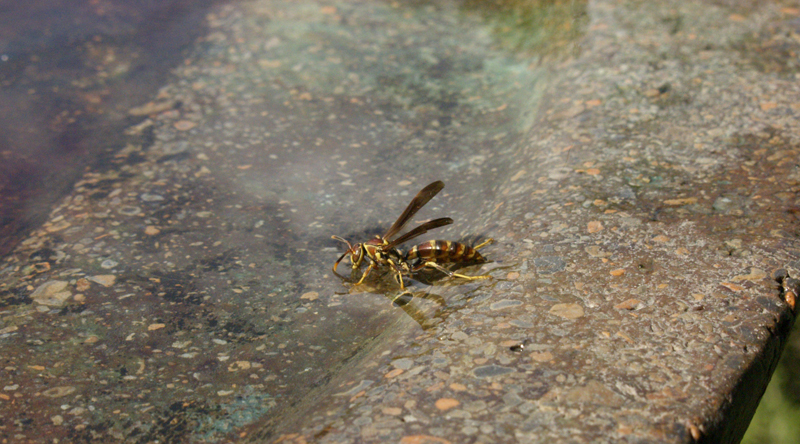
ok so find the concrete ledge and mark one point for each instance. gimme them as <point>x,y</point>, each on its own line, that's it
<point>642,195</point>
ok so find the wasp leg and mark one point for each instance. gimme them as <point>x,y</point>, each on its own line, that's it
<point>364,276</point>
<point>452,274</point>
<point>399,275</point>
<point>400,280</point>
<point>483,244</point>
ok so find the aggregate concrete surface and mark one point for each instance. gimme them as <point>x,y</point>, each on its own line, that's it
<point>642,192</point>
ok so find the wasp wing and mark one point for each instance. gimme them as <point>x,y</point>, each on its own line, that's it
<point>425,195</point>
<point>420,230</point>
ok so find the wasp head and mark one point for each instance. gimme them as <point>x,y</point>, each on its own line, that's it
<point>356,253</point>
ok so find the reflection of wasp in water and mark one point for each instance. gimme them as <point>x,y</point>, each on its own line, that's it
<point>382,251</point>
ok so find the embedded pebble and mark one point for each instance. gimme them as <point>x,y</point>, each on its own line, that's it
<point>49,288</point>
<point>184,125</point>
<point>596,251</point>
<point>594,226</point>
<point>567,311</point>
<point>105,280</point>
<point>754,275</point>
<point>681,201</point>
<point>93,339</point>
<point>391,411</point>
<point>129,210</point>
<point>147,197</point>
<point>53,293</point>
<point>630,304</point>
<point>239,365</point>
<point>82,284</point>
<point>57,392</point>
<point>150,230</point>
<point>53,228</point>
<point>459,336</point>
<point>394,373</point>
<point>541,356</point>
<point>403,363</point>
<point>492,370</point>
<point>446,403</point>
<point>505,303</point>
<point>151,108</point>
<point>9,329</point>
<point>108,264</point>
<point>311,296</point>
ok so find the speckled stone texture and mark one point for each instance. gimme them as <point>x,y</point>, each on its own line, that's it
<point>642,193</point>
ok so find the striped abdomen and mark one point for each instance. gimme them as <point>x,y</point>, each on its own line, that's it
<point>443,252</point>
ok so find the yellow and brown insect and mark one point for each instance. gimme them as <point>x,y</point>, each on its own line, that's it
<point>382,251</point>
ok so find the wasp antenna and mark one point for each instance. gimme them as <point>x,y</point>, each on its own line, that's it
<point>350,247</point>
<point>336,265</point>
<point>349,250</point>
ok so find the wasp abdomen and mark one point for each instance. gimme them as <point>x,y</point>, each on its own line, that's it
<point>441,252</point>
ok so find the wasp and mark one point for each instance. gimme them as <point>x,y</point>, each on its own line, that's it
<point>383,252</point>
